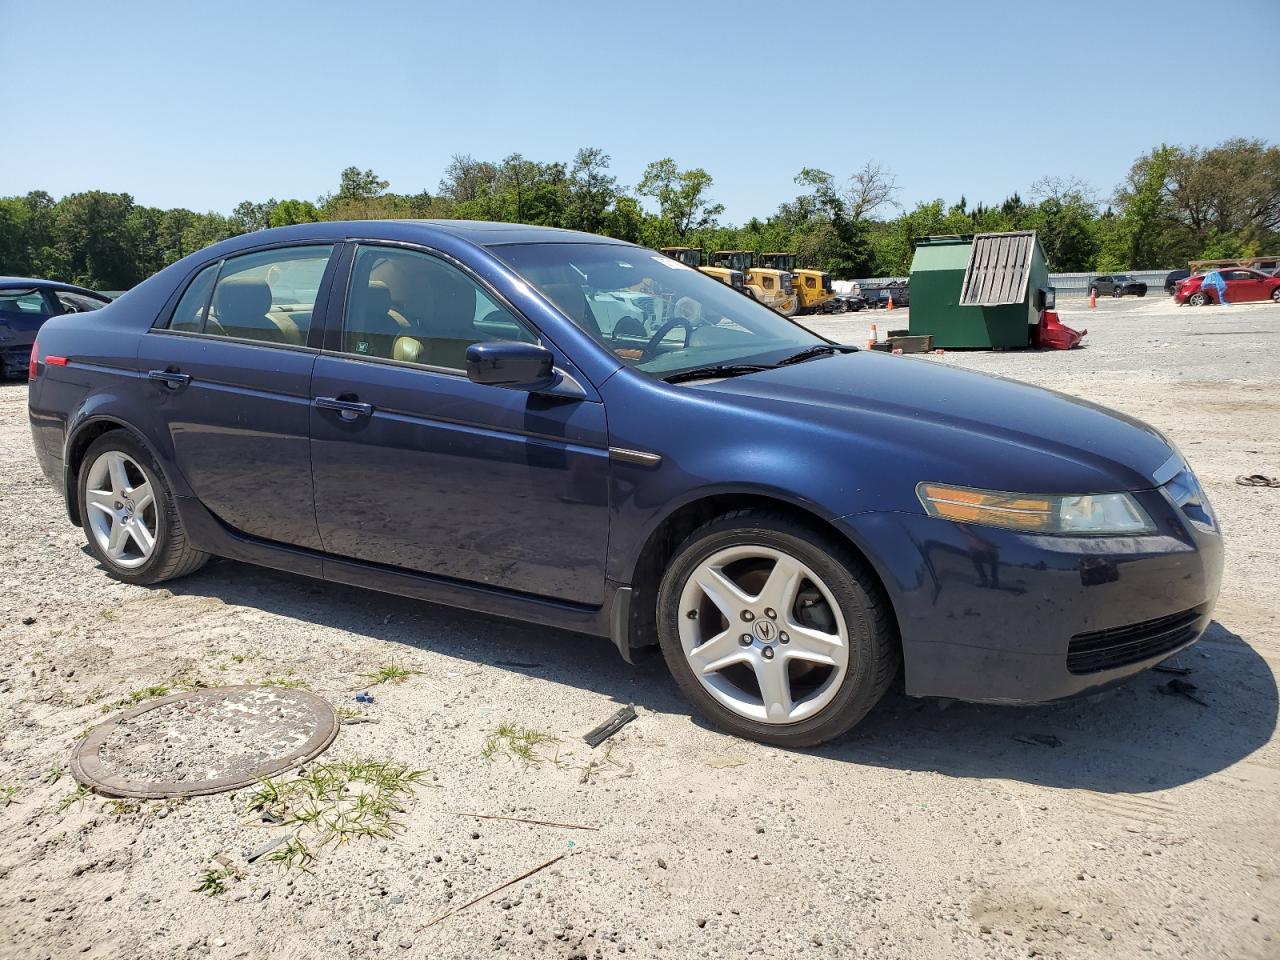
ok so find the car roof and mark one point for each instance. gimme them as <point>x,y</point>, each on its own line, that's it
<point>40,284</point>
<point>478,232</point>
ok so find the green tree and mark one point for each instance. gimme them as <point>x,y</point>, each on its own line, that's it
<point>683,197</point>
<point>591,191</point>
<point>288,212</point>
<point>92,242</point>
<point>249,217</point>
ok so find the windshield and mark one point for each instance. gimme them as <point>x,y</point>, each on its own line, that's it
<point>655,313</point>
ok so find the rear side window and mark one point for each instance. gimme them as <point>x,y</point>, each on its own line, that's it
<point>189,316</point>
<point>268,296</point>
<point>26,302</point>
<point>409,306</point>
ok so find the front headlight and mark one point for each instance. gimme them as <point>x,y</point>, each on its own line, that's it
<point>1094,514</point>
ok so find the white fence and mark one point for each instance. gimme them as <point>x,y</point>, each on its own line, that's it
<point>1066,284</point>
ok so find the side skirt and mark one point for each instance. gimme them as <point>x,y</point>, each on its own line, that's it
<point>210,534</point>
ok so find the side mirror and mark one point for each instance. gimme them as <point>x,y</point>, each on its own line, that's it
<point>510,363</point>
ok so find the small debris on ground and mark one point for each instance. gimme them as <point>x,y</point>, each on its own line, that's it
<point>598,735</point>
<point>1038,739</point>
<point>1181,688</point>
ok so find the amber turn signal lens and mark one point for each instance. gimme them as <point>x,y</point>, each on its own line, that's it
<point>1086,514</point>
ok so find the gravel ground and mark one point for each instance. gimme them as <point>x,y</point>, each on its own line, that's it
<point>931,831</point>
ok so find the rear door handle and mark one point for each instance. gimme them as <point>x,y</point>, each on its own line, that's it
<point>350,409</point>
<point>170,378</point>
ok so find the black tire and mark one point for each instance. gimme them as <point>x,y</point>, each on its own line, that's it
<point>1117,291</point>
<point>1275,295</point>
<point>173,555</point>
<point>874,654</point>
<point>1142,293</point>
<point>1198,299</point>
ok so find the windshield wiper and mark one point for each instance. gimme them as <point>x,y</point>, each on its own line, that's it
<point>715,370</point>
<point>810,353</point>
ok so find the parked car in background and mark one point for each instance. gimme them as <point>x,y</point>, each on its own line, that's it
<point>1242,286</point>
<point>1117,285</point>
<point>437,409</point>
<point>25,304</point>
<point>877,297</point>
<point>850,302</point>
<point>1171,281</point>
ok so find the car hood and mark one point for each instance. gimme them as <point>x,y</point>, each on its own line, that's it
<point>959,426</point>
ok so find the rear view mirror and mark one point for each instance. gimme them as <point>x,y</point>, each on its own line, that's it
<point>510,363</point>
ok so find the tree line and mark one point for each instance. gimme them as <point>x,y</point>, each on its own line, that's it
<point>1177,203</point>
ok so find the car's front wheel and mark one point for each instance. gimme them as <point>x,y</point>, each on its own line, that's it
<point>775,631</point>
<point>1275,294</point>
<point>128,513</point>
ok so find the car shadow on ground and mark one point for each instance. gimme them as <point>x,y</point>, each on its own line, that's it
<point>1132,738</point>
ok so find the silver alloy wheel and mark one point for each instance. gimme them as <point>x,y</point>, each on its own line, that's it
<point>742,634</point>
<point>122,511</point>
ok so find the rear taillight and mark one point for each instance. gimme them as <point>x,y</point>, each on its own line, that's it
<point>34,362</point>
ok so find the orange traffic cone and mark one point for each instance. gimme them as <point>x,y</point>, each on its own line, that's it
<point>1093,299</point>
<point>873,339</point>
<point>889,305</point>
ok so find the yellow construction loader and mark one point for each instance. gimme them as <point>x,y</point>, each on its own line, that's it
<point>769,286</point>
<point>692,257</point>
<point>812,286</point>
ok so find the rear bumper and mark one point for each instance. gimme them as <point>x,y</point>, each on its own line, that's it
<point>1000,617</point>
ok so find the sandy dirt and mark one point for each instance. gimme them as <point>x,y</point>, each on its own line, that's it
<point>931,831</point>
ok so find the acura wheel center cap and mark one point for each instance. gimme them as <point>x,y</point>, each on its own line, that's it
<point>765,630</point>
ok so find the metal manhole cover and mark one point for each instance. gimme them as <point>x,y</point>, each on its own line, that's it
<point>204,741</point>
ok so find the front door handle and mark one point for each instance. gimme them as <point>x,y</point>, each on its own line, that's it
<point>170,378</point>
<point>349,409</point>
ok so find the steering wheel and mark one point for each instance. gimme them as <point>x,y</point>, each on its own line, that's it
<point>651,348</point>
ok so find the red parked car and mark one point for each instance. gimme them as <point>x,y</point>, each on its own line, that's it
<point>1242,285</point>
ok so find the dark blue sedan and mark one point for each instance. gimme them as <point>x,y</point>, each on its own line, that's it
<point>25,305</point>
<point>582,433</point>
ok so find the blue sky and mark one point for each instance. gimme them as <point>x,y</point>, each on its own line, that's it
<point>252,100</point>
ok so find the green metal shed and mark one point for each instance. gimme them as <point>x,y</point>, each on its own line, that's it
<point>979,291</point>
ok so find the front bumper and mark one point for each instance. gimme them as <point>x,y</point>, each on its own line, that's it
<point>14,360</point>
<point>996,616</point>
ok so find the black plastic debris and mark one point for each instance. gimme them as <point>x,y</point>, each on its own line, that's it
<point>1038,739</point>
<point>598,735</point>
<point>1181,688</point>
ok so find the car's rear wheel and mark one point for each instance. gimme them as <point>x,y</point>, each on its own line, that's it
<point>774,630</point>
<point>129,515</point>
<point>1198,299</point>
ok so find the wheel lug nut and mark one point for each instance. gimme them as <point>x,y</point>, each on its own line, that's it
<point>767,653</point>
<point>692,614</point>
<point>745,640</point>
<point>783,638</point>
<point>748,616</point>
<point>771,613</point>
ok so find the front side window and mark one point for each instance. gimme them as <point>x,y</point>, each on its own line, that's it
<point>412,307</point>
<point>27,302</point>
<point>268,296</point>
<point>655,313</point>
